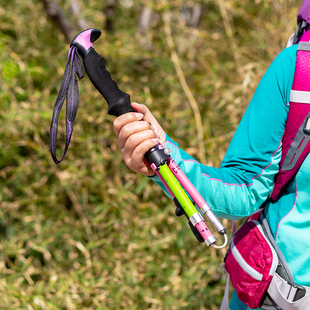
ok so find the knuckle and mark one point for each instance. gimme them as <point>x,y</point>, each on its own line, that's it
<point>144,125</point>
<point>130,140</point>
<point>116,123</point>
<point>126,131</point>
<point>123,120</point>
<point>126,158</point>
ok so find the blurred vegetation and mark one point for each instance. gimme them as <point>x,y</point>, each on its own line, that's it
<point>89,233</point>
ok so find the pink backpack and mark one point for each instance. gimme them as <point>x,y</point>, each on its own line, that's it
<point>295,143</point>
<point>258,270</point>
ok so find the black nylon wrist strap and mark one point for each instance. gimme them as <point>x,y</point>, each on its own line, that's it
<point>69,89</point>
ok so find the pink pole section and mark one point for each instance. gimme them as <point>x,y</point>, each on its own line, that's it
<point>198,222</point>
<point>189,187</point>
<point>203,229</point>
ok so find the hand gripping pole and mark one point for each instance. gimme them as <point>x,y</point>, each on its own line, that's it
<point>176,182</point>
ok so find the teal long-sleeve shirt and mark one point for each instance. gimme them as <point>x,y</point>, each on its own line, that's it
<point>245,177</point>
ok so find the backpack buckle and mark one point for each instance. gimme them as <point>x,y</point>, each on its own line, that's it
<point>307,126</point>
<point>300,293</point>
<point>300,290</point>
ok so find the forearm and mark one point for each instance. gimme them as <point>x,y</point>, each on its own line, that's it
<point>246,175</point>
<point>230,191</point>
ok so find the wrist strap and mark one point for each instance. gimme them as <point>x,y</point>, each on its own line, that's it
<point>69,89</point>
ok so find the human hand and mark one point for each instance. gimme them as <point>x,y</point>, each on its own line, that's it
<point>137,133</point>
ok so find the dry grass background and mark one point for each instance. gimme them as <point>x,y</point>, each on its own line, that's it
<point>89,233</point>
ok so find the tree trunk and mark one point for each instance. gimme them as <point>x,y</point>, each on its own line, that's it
<point>144,21</point>
<point>75,10</point>
<point>196,14</point>
<point>110,13</point>
<point>54,11</point>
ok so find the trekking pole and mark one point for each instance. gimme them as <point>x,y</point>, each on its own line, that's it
<point>158,157</point>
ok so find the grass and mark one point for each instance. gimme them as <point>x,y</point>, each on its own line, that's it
<point>89,233</point>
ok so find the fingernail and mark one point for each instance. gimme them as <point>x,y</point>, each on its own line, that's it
<point>156,140</point>
<point>139,115</point>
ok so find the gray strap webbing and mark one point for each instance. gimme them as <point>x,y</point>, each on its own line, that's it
<point>303,46</point>
<point>225,301</point>
<point>283,294</point>
<point>297,146</point>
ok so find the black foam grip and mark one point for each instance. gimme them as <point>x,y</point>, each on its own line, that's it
<point>118,101</point>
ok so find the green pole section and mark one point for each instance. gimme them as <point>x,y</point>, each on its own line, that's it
<point>177,190</point>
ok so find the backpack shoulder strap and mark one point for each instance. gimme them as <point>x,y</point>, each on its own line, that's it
<point>296,138</point>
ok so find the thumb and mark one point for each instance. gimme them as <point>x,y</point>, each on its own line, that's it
<point>141,108</point>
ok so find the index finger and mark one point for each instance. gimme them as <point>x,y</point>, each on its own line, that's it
<point>125,119</point>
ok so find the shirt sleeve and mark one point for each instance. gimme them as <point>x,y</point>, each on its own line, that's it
<point>245,177</point>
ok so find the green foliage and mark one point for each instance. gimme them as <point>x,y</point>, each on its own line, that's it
<point>89,233</point>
